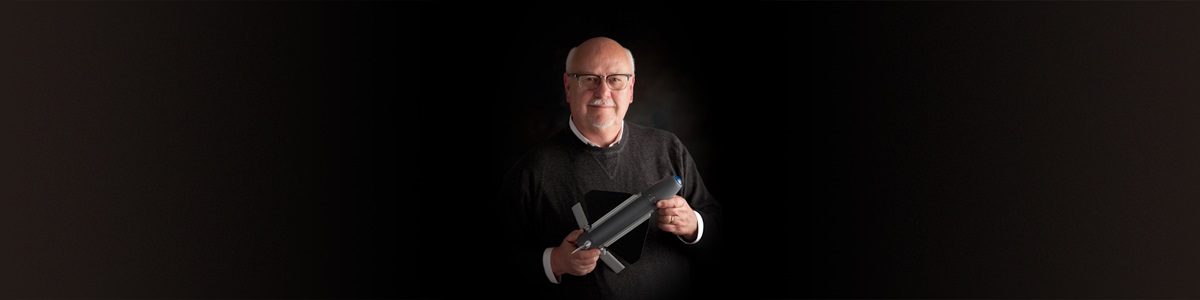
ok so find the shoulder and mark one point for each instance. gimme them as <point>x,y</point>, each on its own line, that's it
<point>644,133</point>
<point>653,136</point>
<point>549,152</point>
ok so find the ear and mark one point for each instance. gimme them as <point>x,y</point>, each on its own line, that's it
<point>567,86</point>
<point>632,80</point>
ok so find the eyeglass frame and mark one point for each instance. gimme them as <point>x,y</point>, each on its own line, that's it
<point>603,78</point>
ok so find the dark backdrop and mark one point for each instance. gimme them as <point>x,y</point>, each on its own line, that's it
<point>862,150</point>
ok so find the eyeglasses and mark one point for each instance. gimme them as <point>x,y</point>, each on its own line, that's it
<point>592,81</point>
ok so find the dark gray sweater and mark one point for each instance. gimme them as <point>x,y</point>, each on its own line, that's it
<point>543,185</point>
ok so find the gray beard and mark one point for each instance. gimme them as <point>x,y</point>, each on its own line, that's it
<point>600,125</point>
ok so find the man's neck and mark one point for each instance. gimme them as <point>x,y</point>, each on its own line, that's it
<point>600,137</point>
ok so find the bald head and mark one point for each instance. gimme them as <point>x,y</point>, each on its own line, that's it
<point>597,49</point>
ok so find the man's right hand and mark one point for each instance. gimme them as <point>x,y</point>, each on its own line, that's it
<point>578,264</point>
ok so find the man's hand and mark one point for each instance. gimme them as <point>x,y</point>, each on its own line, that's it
<point>676,216</point>
<point>578,264</point>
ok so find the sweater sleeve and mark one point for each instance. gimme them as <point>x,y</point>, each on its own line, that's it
<point>698,197</point>
<point>524,262</point>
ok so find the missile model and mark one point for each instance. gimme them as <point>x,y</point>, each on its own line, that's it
<point>622,219</point>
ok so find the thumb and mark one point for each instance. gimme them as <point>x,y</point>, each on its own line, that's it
<point>574,235</point>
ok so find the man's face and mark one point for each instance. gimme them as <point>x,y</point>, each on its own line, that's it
<point>599,104</point>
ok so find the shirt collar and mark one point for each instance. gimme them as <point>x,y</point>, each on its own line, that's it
<point>621,133</point>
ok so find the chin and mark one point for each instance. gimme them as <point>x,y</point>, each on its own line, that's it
<point>602,123</point>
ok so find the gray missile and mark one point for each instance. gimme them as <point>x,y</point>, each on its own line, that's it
<point>622,219</point>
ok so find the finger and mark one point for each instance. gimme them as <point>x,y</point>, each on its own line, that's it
<point>672,228</point>
<point>680,218</point>
<point>666,218</point>
<point>590,254</point>
<point>678,226</point>
<point>666,203</point>
<point>676,201</point>
<point>582,270</point>
<point>677,212</point>
<point>571,237</point>
<point>680,212</point>
<point>587,264</point>
<point>669,202</point>
<point>680,202</point>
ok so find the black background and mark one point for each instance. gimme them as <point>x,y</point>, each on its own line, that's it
<point>861,150</point>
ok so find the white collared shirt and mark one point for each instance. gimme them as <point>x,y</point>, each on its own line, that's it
<point>571,122</point>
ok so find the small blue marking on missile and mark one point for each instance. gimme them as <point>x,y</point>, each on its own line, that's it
<point>678,181</point>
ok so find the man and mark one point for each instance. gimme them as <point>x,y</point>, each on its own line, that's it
<point>599,151</point>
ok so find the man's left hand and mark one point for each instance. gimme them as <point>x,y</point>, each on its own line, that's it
<point>676,216</point>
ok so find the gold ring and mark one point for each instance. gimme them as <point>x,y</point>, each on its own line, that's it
<point>671,220</point>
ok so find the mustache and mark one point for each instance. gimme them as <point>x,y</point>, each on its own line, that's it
<point>602,102</point>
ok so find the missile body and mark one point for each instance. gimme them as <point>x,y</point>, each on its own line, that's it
<point>626,216</point>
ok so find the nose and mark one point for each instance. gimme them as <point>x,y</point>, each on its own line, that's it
<point>603,91</point>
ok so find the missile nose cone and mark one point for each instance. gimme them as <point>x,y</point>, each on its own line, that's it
<point>678,181</point>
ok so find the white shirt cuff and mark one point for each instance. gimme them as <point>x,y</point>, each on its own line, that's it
<point>546,264</point>
<point>699,233</point>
